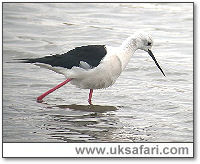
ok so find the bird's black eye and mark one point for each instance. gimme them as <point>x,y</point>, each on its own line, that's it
<point>149,43</point>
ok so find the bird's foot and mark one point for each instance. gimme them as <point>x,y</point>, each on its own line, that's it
<point>90,101</point>
<point>39,100</point>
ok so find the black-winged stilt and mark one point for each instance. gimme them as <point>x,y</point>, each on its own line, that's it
<point>94,66</point>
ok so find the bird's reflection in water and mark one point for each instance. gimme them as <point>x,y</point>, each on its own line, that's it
<point>89,108</point>
<point>82,123</point>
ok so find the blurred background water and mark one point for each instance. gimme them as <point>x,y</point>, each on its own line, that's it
<point>142,106</point>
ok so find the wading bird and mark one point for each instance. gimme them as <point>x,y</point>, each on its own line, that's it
<point>94,66</point>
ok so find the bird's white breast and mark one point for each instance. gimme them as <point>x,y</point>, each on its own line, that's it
<point>103,76</point>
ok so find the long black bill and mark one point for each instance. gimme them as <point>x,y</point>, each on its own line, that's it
<point>152,56</point>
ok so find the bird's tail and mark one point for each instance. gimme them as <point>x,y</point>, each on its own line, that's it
<point>59,70</point>
<point>36,61</point>
<point>74,72</point>
<point>24,60</point>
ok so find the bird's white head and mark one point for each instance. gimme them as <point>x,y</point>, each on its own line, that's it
<point>143,41</point>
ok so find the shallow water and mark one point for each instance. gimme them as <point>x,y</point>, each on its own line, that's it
<point>142,106</point>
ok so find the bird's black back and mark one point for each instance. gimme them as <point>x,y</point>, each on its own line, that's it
<point>91,54</point>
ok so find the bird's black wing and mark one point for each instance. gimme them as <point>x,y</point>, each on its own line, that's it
<point>91,54</point>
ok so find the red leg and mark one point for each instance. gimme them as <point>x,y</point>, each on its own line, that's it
<point>39,99</point>
<point>90,97</point>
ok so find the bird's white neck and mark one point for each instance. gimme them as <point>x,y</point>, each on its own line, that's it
<point>127,48</point>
